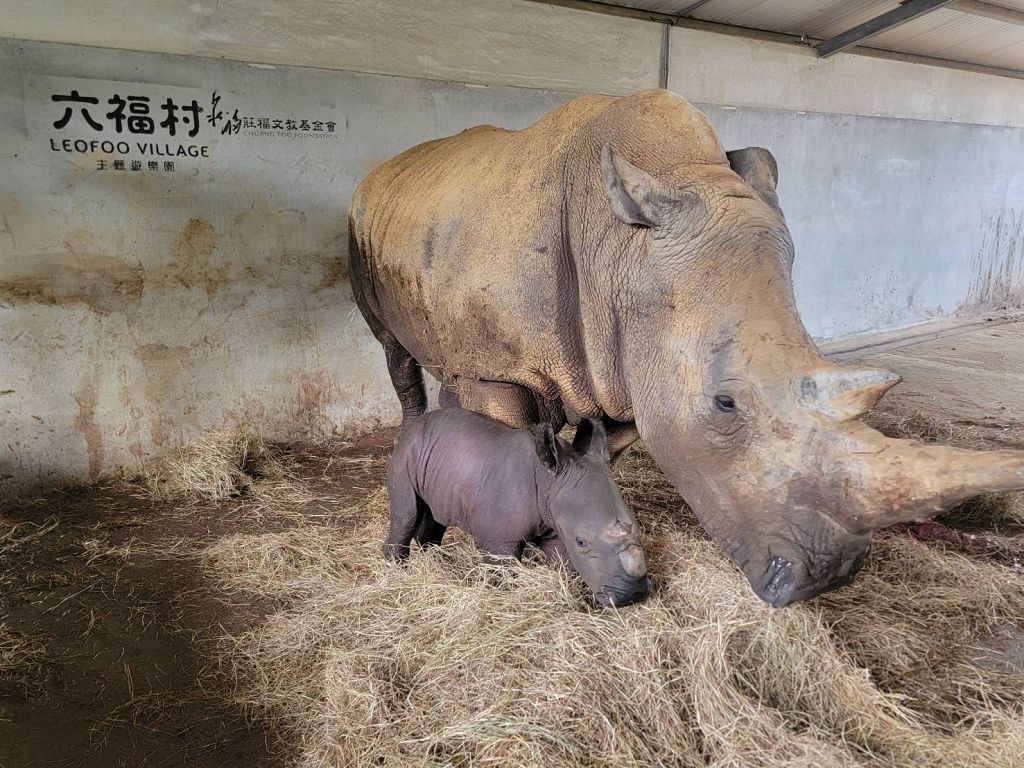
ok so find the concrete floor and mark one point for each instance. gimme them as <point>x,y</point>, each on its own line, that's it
<point>969,375</point>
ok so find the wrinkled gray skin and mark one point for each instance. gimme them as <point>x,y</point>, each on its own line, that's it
<point>612,261</point>
<point>511,487</point>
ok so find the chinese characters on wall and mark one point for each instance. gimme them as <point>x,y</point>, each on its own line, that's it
<point>136,120</point>
<point>153,128</point>
<point>232,123</point>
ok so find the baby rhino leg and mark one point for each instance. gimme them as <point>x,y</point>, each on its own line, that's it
<point>495,552</point>
<point>404,506</point>
<point>554,550</point>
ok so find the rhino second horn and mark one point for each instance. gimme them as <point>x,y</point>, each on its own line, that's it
<point>619,530</point>
<point>845,392</point>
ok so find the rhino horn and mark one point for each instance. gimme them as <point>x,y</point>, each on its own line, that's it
<point>844,392</point>
<point>907,480</point>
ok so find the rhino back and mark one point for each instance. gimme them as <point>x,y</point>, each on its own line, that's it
<point>468,241</point>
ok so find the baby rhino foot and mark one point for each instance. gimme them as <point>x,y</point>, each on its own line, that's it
<point>397,553</point>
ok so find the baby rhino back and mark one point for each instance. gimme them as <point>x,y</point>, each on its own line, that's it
<point>473,473</point>
<point>509,487</point>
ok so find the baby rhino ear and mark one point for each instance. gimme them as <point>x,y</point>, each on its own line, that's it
<point>546,445</point>
<point>591,439</point>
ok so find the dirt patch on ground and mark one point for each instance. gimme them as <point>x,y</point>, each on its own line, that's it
<point>109,626</point>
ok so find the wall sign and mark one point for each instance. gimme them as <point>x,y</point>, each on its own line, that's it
<point>139,127</point>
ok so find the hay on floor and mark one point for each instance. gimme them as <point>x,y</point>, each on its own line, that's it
<point>22,657</point>
<point>222,465</point>
<point>448,662</point>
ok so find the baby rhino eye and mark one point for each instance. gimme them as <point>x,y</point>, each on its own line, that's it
<point>581,542</point>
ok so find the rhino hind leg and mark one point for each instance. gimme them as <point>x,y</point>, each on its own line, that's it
<point>429,532</point>
<point>406,374</point>
<point>407,378</point>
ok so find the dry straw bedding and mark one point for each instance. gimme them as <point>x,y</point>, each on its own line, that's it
<point>22,655</point>
<point>448,662</point>
<point>224,464</point>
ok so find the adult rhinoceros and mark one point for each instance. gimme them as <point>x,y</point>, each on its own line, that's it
<point>613,261</point>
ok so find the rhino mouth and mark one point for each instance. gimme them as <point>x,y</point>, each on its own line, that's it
<point>778,586</point>
<point>621,596</point>
<point>783,582</point>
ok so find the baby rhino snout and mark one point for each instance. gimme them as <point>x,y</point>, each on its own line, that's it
<point>631,557</point>
<point>633,561</point>
<point>630,583</point>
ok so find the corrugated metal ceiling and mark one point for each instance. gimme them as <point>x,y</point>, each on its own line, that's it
<point>945,33</point>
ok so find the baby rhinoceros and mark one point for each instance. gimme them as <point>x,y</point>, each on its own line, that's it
<point>509,487</point>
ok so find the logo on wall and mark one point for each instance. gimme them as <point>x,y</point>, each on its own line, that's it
<point>231,122</point>
<point>139,127</point>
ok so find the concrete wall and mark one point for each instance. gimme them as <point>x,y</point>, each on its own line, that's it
<point>723,69</point>
<point>895,222</point>
<point>137,310</point>
<point>502,42</point>
<point>903,184</point>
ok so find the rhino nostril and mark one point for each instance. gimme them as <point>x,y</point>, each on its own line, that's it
<point>778,584</point>
<point>633,560</point>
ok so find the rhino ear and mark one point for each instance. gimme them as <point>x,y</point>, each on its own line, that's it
<point>591,439</point>
<point>757,167</point>
<point>636,196</point>
<point>546,445</point>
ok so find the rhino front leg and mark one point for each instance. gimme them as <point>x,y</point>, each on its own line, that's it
<point>404,508</point>
<point>429,532</point>
<point>497,552</point>
<point>554,552</point>
<point>447,397</point>
<point>621,435</point>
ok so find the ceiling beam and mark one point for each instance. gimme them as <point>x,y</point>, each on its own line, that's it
<point>906,12</point>
<point>989,11</point>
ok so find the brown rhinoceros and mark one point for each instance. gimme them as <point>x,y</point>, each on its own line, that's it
<point>613,261</point>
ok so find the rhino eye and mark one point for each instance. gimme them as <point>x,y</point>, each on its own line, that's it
<point>581,542</point>
<point>725,404</point>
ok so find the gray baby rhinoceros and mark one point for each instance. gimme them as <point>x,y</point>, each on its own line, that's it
<point>509,487</point>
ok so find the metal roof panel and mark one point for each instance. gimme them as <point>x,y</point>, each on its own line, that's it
<point>945,33</point>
